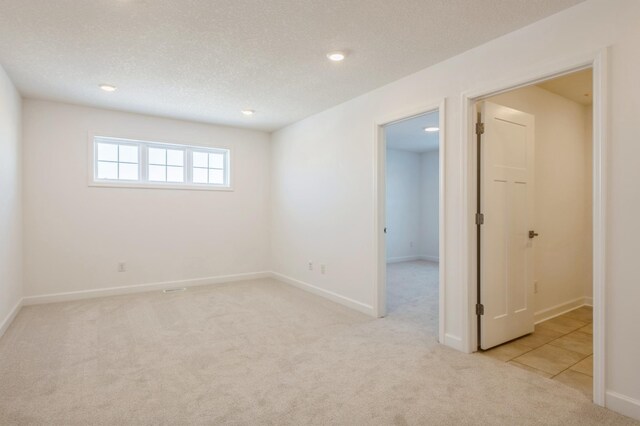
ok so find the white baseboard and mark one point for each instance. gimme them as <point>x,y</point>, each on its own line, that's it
<point>412,258</point>
<point>4,325</point>
<point>560,309</point>
<point>623,404</point>
<point>334,297</point>
<point>139,288</point>
<point>402,259</point>
<point>452,341</point>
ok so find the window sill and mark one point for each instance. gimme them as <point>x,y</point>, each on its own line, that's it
<point>132,185</point>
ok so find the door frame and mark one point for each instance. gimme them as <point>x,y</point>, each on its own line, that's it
<point>380,252</point>
<point>598,62</point>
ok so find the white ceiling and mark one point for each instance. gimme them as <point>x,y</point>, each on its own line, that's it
<point>205,60</point>
<point>409,135</point>
<point>577,86</point>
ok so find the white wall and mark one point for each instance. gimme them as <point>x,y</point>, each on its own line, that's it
<point>563,201</point>
<point>10,201</point>
<point>75,234</point>
<point>430,192</point>
<point>411,205</point>
<point>404,205</point>
<point>323,173</point>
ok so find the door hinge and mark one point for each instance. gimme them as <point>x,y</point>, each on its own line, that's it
<point>479,218</point>
<point>479,128</point>
<point>479,309</point>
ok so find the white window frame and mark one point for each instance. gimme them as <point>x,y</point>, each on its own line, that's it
<point>143,165</point>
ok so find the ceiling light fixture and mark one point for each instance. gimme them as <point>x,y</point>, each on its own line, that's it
<point>248,111</point>
<point>431,129</point>
<point>336,56</point>
<point>108,87</point>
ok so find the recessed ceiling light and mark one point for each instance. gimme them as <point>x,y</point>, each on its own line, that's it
<point>248,111</point>
<point>336,56</point>
<point>431,129</point>
<point>108,87</point>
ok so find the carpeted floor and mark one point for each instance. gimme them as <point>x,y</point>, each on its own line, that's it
<point>262,352</point>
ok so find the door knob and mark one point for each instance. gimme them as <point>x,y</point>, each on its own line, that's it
<point>533,234</point>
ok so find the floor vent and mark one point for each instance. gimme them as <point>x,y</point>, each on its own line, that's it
<point>173,290</point>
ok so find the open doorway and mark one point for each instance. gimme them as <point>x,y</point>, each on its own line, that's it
<point>410,219</point>
<point>535,224</point>
<point>412,205</point>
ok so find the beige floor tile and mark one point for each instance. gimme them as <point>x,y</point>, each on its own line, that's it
<point>587,329</point>
<point>539,337</point>
<point>585,366</point>
<point>578,381</point>
<point>577,341</point>
<point>563,324</point>
<point>508,351</point>
<point>584,313</point>
<point>531,369</point>
<point>550,359</point>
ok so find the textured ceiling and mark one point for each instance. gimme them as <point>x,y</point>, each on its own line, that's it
<point>409,135</point>
<point>205,60</point>
<point>577,86</point>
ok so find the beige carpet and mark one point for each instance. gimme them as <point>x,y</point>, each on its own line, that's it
<point>261,352</point>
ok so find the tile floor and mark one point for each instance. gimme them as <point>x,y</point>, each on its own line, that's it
<point>560,349</point>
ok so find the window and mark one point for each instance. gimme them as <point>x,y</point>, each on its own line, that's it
<point>117,161</point>
<point>131,163</point>
<point>166,165</point>
<point>208,167</point>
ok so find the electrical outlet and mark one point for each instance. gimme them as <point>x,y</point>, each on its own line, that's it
<point>122,267</point>
<point>323,269</point>
<point>310,266</point>
<point>535,286</point>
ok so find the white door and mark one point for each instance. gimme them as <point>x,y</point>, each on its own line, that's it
<point>506,201</point>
